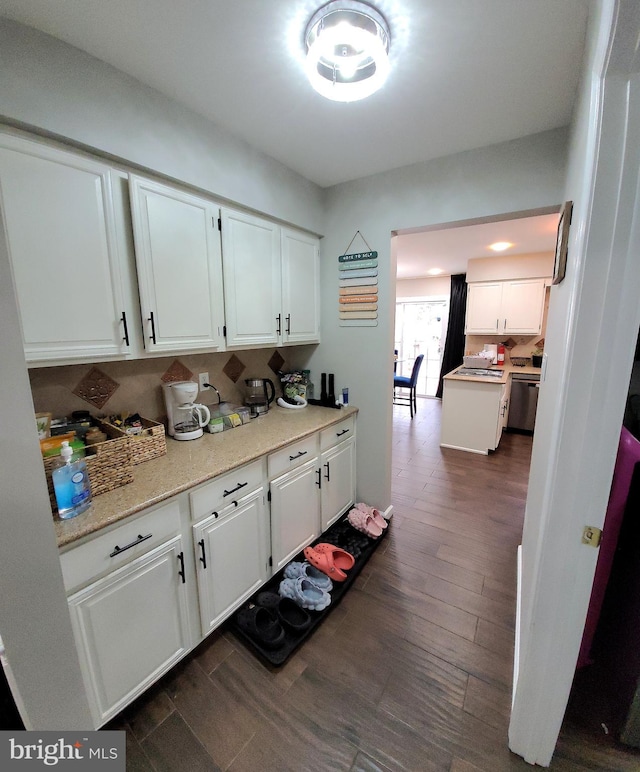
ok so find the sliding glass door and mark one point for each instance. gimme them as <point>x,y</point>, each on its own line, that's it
<point>421,328</point>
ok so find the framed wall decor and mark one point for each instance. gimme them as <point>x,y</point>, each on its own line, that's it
<point>560,265</point>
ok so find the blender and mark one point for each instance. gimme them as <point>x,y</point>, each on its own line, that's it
<point>185,418</point>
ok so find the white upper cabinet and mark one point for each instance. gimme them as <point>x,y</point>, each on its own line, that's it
<point>523,306</point>
<point>251,267</point>
<point>300,287</point>
<point>271,282</point>
<point>179,267</point>
<point>484,308</point>
<point>60,230</point>
<point>498,307</point>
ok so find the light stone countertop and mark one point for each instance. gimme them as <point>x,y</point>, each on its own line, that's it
<point>506,370</point>
<point>187,464</point>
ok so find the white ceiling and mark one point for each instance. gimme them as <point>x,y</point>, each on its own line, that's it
<point>451,248</point>
<point>464,74</point>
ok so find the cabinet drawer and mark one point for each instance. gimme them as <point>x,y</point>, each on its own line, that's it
<point>221,491</point>
<point>292,456</point>
<point>104,553</point>
<point>332,435</point>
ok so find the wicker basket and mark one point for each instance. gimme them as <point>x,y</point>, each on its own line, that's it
<point>150,444</point>
<point>109,466</point>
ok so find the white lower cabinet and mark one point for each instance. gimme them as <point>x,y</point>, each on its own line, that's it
<point>316,489</point>
<point>131,626</point>
<point>338,481</point>
<point>135,590</point>
<point>295,511</point>
<point>232,557</point>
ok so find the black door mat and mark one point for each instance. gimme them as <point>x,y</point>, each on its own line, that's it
<point>341,534</point>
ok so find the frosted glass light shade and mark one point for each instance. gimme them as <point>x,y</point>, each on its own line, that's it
<point>347,50</point>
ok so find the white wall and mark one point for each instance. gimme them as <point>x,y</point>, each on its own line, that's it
<point>514,176</point>
<point>50,86</point>
<point>538,265</point>
<point>439,286</point>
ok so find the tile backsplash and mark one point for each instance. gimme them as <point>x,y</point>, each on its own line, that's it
<point>136,386</point>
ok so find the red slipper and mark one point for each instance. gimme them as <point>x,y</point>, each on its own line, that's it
<point>331,560</point>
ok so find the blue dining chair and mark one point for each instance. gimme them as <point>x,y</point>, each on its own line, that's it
<point>402,382</point>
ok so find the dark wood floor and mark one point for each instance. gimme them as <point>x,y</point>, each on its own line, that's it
<point>412,671</point>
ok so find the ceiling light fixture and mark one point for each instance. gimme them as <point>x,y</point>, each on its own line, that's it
<point>435,271</point>
<point>347,44</point>
<point>500,246</point>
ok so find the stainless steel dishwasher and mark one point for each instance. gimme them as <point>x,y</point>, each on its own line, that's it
<point>523,402</point>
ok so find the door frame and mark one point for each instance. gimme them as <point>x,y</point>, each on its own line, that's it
<point>591,336</point>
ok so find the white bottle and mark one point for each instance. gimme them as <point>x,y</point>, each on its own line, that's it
<point>71,484</point>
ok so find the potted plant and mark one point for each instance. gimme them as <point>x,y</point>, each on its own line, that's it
<point>536,357</point>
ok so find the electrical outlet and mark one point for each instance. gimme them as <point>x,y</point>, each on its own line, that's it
<point>202,379</point>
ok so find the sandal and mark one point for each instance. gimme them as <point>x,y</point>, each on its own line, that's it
<point>363,521</point>
<point>376,514</point>
<point>305,593</point>
<point>331,560</point>
<point>261,625</point>
<point>321,580</point>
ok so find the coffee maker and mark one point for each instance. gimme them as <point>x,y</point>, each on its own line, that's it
<point>185,418</point>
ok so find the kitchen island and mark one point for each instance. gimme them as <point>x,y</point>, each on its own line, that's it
<point>475,407</point>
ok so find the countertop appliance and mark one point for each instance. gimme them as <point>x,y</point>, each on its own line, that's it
<point>185,418</point>
<point>523,402</point>
<point>258,398</point>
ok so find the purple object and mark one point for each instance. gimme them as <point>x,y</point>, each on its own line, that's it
<point>626,460</point>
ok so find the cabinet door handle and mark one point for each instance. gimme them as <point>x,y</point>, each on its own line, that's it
<point>497,323</point>
<point>319,480</point>
<point>504,326</point>
<point>301,453</point>
<point>288,318</point>
<point>339,434</point>
<point>117,550</point>
<point>279,320</point>
<point>233,490</point>
<point>123,319</point>
<point>215,514</point>
<point>153,327</point>
<point>181,571</point>
<point>326,477</point>
<point>203,556</point>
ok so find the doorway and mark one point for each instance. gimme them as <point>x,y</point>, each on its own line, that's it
<point>421,328</point>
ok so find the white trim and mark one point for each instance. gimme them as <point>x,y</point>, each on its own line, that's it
<point>593,325</point>
<point>516,653</point>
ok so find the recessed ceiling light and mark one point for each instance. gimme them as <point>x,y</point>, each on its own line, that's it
<point>500,246</point>
<point>435,271</point>
<point>347,45</point>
